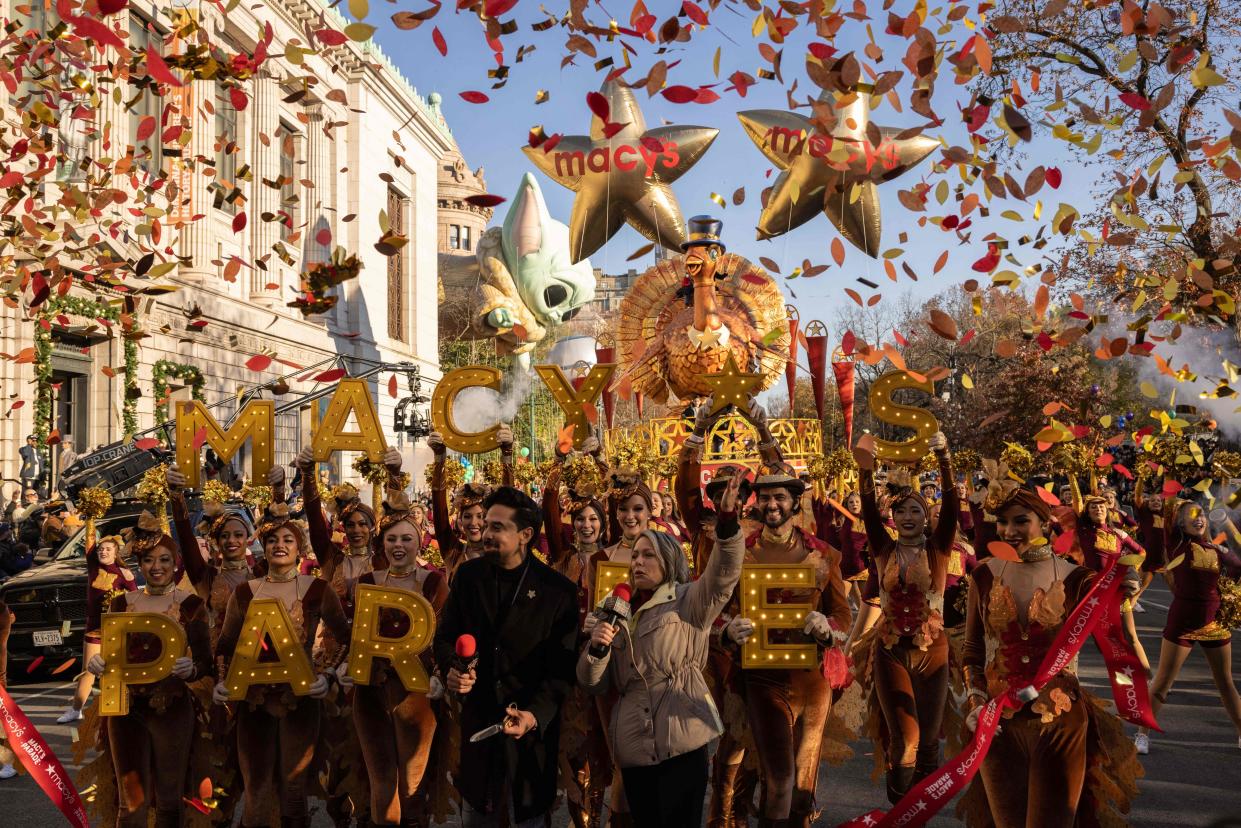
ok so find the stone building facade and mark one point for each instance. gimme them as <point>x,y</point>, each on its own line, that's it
<point>461,223</point>
<point>357,141</point>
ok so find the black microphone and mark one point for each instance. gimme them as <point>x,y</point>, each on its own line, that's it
<point>614,610</point>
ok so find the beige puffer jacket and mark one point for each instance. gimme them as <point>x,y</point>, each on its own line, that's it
<point>656,664</point>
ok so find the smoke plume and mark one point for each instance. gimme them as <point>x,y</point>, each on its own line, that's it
<point>478,409</point>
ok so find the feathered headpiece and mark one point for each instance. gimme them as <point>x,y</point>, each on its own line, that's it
<point>148,534</point>
<point>277,517</point>
<point>469,494</point>
<point>626,482</point>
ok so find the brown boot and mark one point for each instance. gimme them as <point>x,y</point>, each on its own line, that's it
<point>723,790</point>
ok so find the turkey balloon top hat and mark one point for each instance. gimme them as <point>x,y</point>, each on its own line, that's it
<point>703,230</point>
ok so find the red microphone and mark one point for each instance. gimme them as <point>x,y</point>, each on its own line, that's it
<point>614,610</point>
<point>465,658</point>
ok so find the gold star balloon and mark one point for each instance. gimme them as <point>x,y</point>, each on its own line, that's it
<point>731,387</point>
<point>621,173</point>
<point>821,171</point>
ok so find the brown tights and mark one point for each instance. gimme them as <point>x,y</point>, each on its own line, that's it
<point>787,711</point>
<point>395,729</point>
<point>151,756</point>
<point>912,689</point>
<point>275,754</point>
<point>1035,772</point>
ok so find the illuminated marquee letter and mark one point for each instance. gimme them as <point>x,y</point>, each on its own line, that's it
<point>402,653</point>
<point>757,582</point>
<point>574,402</point>
<point>352,395</point>
<point>268,617</point>
<point>466,442</point>
<point>607,575</point>
<point>115,632</point>
<point>256,422</point>
<point>918,419</point>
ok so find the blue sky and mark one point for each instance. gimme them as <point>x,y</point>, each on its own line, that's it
<point>492,135</point>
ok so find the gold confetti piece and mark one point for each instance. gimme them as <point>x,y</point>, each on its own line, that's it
<point>719,199</point>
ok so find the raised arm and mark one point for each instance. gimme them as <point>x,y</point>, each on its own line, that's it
<point>950,509</point>
<point>191,556</point>
<point>505,438</point>
<point>439,497</point>
<point>328,553</point>
<point>552,517</point>
<point>881,543</point>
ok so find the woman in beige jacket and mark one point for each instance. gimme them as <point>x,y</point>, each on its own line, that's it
<point>665,716</point>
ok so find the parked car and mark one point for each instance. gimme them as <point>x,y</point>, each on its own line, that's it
<point>49,601</point>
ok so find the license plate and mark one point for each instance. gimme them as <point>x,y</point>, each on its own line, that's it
<point>47,638</point>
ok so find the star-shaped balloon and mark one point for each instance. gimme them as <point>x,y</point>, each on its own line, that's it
<point>731,387</point>
<point>821,171</point>
<point>624,177</point>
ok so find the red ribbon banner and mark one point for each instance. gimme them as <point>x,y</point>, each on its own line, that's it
<point>1124,671</point>
<point>40,762</point>
<point>844,386</point>
<point>926,798</point>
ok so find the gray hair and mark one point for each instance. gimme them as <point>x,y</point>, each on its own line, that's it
<point>676,568</point>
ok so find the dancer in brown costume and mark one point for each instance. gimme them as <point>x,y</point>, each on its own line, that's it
<point>228,532</point>
<point>585,762</point>
<point>1192,616</point>
<point>909,648</point>
<point>1049,761</point>
<point>788,709</point>
<point>277,731</point>
<point>396,727</point>
<point>148,745</point>
<point>465,541</point>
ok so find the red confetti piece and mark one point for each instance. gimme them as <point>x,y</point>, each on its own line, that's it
<point>323,237</point>
<point>485,200</point>
<point>599,105</point>
<point>441,45</point>
<point>11,179</point>
<point>158,70</point>
<point>258,362</point>
<point>1053,177</point>
<point>146,443</point>
<point>988,262</point>
<point>694,13</point>
<point>331,37</point>
<point>474,97</point>
<point>1135,101</point>
<point>330,376</point>
<point>238,98</point>
<point>200,437</point>
<point>34,665</point>
<point>680,94</point>
<point>107,7</point>
<point>706,96</point>
<point>392,386</point>
<point>495,8</point>
<point>239,222</point>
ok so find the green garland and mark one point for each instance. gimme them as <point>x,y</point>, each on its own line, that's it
<point>161,372</point>
<point>93,309</point>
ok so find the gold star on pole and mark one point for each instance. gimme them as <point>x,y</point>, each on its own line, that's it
<point>625,177</point>
<point>731,387</point>
<point>835,174</point>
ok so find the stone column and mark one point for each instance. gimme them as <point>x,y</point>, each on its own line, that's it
<point>265,162</point>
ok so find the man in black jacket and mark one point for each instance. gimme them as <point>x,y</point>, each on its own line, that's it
<point>523,616</point>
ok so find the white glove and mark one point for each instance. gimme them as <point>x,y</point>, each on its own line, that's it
<point>275,476</point>
<point>971,720</point>
<point>437,689</point>
<point>305,458</point>
<point>435,442</point>
<point>739,629</point>
<point>219,694</point>
<point>319,687</point>
<point>589,624</point>
<point>342,675</point>
<point>183,668</point>
<point>504,436</point>
<point>590,445</point>
<point>96,665</point>
<point>392,458</point>
<point>818,626</point>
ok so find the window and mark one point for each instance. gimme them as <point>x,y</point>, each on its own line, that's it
<point>396,268</point>
<point>465,238</point>
<point>287,140</point>
<point>226,151</point>
<point>454,237</point>
<point>145,112</point>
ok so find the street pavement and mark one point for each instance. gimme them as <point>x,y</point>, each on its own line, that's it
<point>1193,774</point>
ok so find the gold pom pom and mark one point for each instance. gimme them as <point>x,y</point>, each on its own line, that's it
<point>93,502</point>
<point>370,471</point>
<point>1229,462</point>
<point>524,474</point>
<point>966,460</point>
<point>1018,459</point>
<point>1073,458</point>
<point>493,471</point>
<point>255,496</point>
<point>454,474</point>
<point>216,492</point>
<point>1229,615</point>
<point>154,487</point>
<point>582,477</point>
